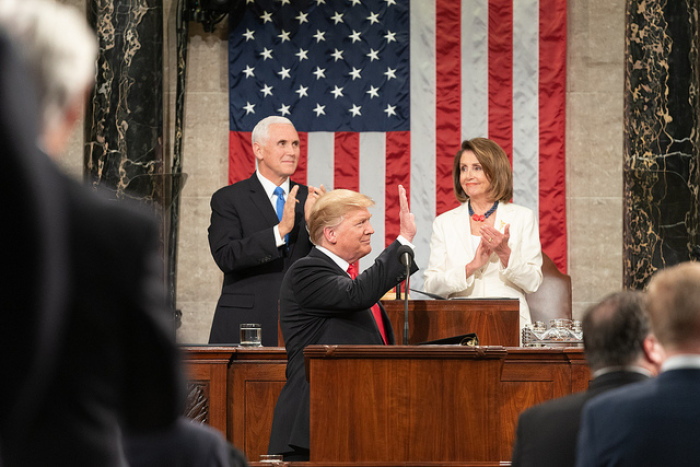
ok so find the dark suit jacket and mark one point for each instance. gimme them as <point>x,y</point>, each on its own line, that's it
<point>320,304</point>
<point>652,424</point>
<point>117,368</point>
<point>187,444</point>
<point>87,348</point>
<point>547,433</point>
<point>242,242</point>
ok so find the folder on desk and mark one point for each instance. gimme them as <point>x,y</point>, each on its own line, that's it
<point>469,340</point>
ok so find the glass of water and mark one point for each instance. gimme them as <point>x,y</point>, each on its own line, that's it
<point>251,335</point>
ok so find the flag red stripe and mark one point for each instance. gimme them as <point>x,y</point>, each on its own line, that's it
<point>501,74</point>
<point>347,160</point>
<point>552,113</point>
<point>241,160</point>
<point>397,172</point>
<point>447,100</point>
<point>300,176</point>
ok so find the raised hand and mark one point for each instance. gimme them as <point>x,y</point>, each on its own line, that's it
<point>407,219</point>
<point>287,223</point>
<point>314,194</point>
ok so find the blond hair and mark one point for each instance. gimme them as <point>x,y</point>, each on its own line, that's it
<point>673,302</point>
<point>330,209</point>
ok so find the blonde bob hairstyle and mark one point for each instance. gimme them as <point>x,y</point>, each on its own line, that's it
<point>496,167</point>
<point>330,209</point>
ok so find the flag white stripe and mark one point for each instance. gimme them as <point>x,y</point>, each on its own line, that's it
<point>372,180</point>
<point>475,70</point>
<point>526,103</point>
<point>321,160</point>
<point>423,140</point>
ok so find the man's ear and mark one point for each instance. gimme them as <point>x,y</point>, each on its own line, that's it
<point>654,351</point>
<point>257,150</point>
<point>330,235</point>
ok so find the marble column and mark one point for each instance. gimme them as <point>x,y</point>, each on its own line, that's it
<point>661,151</point>
<point>124,124</point>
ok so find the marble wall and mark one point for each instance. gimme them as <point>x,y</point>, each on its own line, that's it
<point>662,144</point>
<point>595,74</point>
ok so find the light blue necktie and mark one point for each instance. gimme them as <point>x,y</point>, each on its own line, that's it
<point>279,192</point>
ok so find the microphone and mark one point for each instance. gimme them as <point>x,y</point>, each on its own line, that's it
<point>405,255</point>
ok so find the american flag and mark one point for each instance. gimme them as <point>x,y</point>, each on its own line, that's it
<point>383,92</point>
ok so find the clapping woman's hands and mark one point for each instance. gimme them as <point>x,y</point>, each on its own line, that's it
<point>497,241</point>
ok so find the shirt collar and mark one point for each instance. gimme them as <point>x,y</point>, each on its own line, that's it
<point>342,264</point>
<point>628,368</point>
<point>269,187</point>
<point>681,361</point>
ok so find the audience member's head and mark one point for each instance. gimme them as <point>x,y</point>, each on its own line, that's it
<point>616,331</point>
<point>59,50</point>
<point>673,300</point>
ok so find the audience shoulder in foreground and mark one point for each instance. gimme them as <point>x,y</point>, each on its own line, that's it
<point>655,423</point>
<point>619,350</point>
<point>98,356</point>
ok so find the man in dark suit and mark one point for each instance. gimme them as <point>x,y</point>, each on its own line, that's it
<point>320,302</point>
<point>257,230</point>
<point>89,344</point>
<point>619,350</point>
<point>655,423</point>
<point>95,356</point>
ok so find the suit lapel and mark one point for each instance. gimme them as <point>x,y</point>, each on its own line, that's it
<point>462,230</point>
<point>259,198</point>
<point>298,219</point>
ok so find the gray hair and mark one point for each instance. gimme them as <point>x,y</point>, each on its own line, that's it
<point>58,48</point>
<point>262,130</point>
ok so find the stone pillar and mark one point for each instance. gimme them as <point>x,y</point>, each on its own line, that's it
<point>660,137</point>
<point>124,124</point>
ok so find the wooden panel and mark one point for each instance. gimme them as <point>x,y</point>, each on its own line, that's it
<point>206,369</point>
<point>453,414</point>
<point>255,386</point>
<point>496,322</point>
<point>403,403</point>
<point>362,412</point>
<point>529,377</point>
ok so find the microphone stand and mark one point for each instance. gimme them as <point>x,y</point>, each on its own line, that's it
<point>405,256</point>
<point>405,304</point>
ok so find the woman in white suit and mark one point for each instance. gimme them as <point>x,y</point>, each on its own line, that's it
<point>488,246</point>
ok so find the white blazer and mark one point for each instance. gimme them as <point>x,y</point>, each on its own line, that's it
<point>451,249</point>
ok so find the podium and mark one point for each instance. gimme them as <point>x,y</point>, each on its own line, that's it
<point>401,404</point>
<point>495,321</point>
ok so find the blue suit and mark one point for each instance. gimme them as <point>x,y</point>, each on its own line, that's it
<point>654,423</point>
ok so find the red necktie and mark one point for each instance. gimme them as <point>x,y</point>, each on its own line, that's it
<point>376,311</point>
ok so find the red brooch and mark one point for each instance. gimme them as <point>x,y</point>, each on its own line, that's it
<point>479,217</point>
